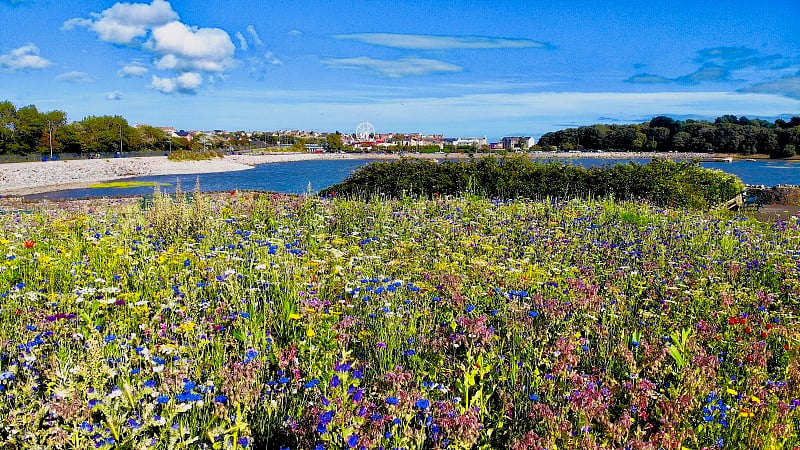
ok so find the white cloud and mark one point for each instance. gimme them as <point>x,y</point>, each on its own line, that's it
<point>186,83</point>
<point>114,95</point>
<point>430,42</point>
<point>133,70</point>
<point>74,77</point>
<point>394,68</point>
<point>23,58</point>
<point>295,33</point>
<point>124,22</point>
<point>789,86</point>
<point>185,48</point>
<point>242,41</point>
<point>272,58</point>
<point>251,30</point>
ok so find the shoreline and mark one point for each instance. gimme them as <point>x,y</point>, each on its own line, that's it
<point>26,178</point>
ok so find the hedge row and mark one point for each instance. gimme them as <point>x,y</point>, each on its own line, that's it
<point>661,182</point>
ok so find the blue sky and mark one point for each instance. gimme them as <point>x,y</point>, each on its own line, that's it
<point>458,68</point>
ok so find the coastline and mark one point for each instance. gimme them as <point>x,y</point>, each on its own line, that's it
<point>25,178</point>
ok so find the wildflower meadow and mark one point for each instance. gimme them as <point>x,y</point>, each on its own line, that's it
<point>273,321</point>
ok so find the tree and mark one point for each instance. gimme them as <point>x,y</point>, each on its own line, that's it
<point>151,138</point>
<point>102,134</point>
<point>681,140</point>
<point>30,125</point>
<point>334,141</point>
<point>8,126</point>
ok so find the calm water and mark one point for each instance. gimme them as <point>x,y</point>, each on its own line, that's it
<point>295,177</point>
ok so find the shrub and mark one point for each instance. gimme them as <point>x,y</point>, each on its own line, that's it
<point>179,216</point>
<point>186,155</point>
<point>661,182</point>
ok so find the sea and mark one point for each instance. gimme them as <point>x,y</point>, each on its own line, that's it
<point>311,176</point>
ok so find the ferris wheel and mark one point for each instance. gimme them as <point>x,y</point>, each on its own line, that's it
<point>365,131</point>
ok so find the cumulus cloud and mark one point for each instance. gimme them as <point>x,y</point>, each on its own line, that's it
<point>430,42</point>
<point>186,83</point>
<point>295,33</point>
<point>124,22</point>
<point>251,30</point>
<point>242,41</point>
<point>23,58</point>
<point>133,70</point>
<point>185,48</point>
<point>394,68</point>
<point>74,77</point>
<point>114,95</point>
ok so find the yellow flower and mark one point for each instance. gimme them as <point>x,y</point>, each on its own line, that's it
<point>310,333</point>
<point>755,399</point>
<point>745,413</point>
<point>294,316</point>
<point>731,391</point>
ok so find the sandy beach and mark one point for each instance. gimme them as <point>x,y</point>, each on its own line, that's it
<point>35,177</point>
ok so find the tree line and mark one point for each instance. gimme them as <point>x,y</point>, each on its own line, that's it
<point>27,130</point>
<point>727,134</point>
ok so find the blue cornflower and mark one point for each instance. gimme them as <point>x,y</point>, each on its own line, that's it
<point>311,384</point>
<point>352,441</point>
<point>163,399</point>
<point>470,308</point>
<point>110,338</point>
<point>221,399</point>
<point>533,314</point>
<point>392,400</point>
<point>533,397</point>
<point>422,403</point>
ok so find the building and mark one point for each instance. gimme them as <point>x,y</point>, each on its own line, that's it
<point>466,142</point>
<point>512,142</point>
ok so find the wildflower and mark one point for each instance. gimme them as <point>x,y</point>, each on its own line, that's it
<point>311,384</point>
<point>352,441</point>
<point>28,243</point>
<point>392,400</point>
<point>422,403</point>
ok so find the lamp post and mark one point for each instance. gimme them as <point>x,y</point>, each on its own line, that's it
<point>50,132</point>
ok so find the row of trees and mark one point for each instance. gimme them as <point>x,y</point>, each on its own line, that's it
<point>27,130</point>
<point>727,134</point>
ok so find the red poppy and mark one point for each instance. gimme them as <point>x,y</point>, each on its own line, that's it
<point>233,193</point>
<point>732,320</point>
<point>747,330</point>
<point>29,243</point>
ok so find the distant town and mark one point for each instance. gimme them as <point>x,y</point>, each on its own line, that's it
<point>364,139</point>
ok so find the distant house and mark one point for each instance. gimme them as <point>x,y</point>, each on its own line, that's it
<point>512,142</point>
<point>315,148</point>
<point>468,141</point>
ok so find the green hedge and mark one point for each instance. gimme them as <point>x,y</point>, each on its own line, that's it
<point>661,182</point>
